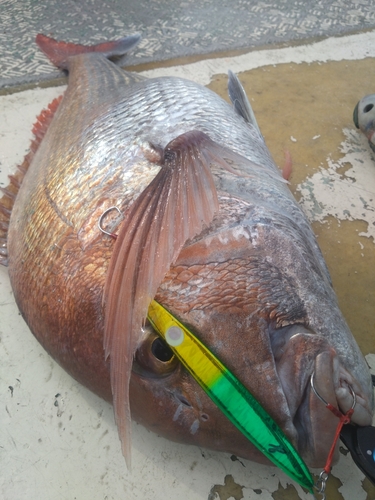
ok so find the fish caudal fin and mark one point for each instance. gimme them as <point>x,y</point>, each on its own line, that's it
<point>59,52</point>
<point>10,192</point>
<point>175,206</point>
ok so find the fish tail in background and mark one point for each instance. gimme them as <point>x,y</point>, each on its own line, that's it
<point>10,192</point>
<point>59,52</point>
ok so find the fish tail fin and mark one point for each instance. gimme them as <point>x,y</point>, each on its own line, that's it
<point>10,192</point>
<point>59,52</point>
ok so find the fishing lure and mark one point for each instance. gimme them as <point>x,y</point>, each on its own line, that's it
<point>230,395</point>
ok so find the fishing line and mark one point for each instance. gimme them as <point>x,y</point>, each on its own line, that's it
<point>344,418</point>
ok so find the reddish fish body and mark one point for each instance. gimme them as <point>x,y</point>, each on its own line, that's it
<point>204,223</point>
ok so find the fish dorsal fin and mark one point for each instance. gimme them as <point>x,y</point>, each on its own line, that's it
<point>240,100</point>
<point>175,206</point>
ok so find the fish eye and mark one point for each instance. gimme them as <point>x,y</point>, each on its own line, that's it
<point>154,357</point>
<point>161,350</point>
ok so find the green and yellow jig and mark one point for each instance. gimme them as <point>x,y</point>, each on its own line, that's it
<point>230,395</point>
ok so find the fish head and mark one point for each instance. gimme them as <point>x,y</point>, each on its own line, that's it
<point>251,314</point>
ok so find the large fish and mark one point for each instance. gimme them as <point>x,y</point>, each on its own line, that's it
<point>205,223</point>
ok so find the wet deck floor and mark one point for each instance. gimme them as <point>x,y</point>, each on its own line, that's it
<point>60,440</point>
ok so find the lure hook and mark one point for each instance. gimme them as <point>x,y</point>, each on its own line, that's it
<point>324,401</point>
<point>100,221</point>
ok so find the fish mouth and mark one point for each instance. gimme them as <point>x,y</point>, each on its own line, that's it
<point>304,356</point>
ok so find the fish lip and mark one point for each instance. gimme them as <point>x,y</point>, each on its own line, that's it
<point>314,424</point>
<point>345,383</point>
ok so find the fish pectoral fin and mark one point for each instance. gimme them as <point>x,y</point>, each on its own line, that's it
<point>175,206</point>
<point>240,100</point>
